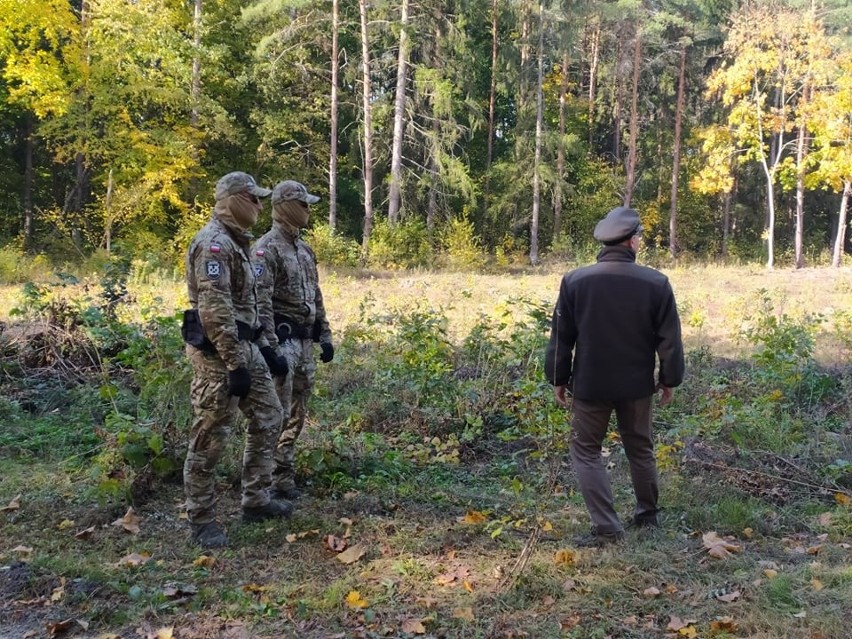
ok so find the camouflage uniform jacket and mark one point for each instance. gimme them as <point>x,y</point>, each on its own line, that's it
<point>222,285</point>
<point>288,283</point>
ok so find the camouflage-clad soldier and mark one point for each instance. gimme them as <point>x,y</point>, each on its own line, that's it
<point>293,318</point>
<point>231,361</point>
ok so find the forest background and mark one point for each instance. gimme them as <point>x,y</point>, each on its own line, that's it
<point>438,131</point>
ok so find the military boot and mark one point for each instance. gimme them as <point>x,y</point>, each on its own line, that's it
<point>209,535</point>
<point>275,509</point>
<point>286,492</point>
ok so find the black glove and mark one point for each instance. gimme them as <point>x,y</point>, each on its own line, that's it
<point>277,363</point>
<point>327,352</point>
<point>239,382</point>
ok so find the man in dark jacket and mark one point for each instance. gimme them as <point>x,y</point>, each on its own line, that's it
<point>612,320</point>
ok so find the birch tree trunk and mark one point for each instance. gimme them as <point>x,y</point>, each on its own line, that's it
<point>801,151</point>
<point>634,121</point>
<point>539,117</point>
<point>368,132</point>
<point>681,90</point>
<point>332,155</point>
<point>398,118</point>
<point>840,240</point>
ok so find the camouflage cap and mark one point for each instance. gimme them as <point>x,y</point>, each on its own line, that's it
<point>237,182</point>
<point>292,190</point>
<point>619,224</point>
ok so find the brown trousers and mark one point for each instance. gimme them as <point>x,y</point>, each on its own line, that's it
<point>590,424</point>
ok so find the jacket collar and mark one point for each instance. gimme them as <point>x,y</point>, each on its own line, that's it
<point>243,238</point>
<point>618,253</point>
<point>287,231</point>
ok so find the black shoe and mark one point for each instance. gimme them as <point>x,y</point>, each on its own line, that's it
<point>291,493</point>
<point>209,535</point>
<point>596,539</point>
<point>275,509</point>
<point>646,521</point>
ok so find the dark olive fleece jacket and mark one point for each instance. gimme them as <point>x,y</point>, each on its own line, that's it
<point>611,320</point>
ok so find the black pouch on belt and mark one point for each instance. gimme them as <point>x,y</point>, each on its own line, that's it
<point>193,332</point>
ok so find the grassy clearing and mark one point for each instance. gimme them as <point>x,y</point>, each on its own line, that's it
<point>435,445</point>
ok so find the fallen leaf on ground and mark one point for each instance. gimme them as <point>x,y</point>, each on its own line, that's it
<point>467,585</point>
<point>843,499</point>
<point>163,633</point>
<point>12,505</point>
<point>564,557</point>
<point>814,550</point>
<point>354,600</point>
<point>335,543</point>
<point>204,561</point>
<point>176,591</point>
<point>256,588</point>
<point>568,585</point>
<point>816,584</point>
<point>65,523</point>
<point>730,597</point>
<point>748,533</point>
<point>58,592</point>
<point>59,627</point>
<point>352,554</point>
<point>801,615</point>
<point>413,627</point>
<point>724,624</point>
<point>130,521</point>
<point>653,591</point>
<point>769,573</point>
<point>427,601</point>
<point>718,547</point>
<point>825,519</point>
<point>547,527</point>
<point>346,521</point>
<point>133,559</point>
<point>85,534</point>
<point>473,517</point>
<point>569,622</point>
<point>464,613</point>
<point>22,550</point>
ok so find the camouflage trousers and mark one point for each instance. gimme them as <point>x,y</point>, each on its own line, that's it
<point>214,415</point>
<point>294,392</point>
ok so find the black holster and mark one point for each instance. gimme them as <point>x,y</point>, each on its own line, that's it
<point>193,332</point>
<point>287,328</point>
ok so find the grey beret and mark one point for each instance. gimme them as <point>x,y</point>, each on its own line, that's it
<point>619,224</point>
<point>292,190</point>
<point>237,182</point>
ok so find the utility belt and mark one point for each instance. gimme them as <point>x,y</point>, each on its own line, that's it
<point>288,328</point>
<point>193,332</point>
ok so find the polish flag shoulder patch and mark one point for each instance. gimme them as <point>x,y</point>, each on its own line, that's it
<point>215,248</point>
<point>260,252</point>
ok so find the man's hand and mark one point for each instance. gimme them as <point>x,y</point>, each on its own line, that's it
<point>239,382</point>
<point>666,394</point>
<point>563,395</point>
<point>277,364</point>
<point>327,352</point>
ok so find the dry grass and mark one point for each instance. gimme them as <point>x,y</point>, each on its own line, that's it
<point>424,564</point>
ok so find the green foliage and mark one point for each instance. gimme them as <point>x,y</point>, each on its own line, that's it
<point>331,248</point>
<point>404,245</point>
<point>462,247</point>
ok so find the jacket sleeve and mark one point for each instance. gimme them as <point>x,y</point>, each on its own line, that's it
<point>321,325</point>
<point>668,340</point>
<point>266,263</point>
<point>212,271</point>
<point>558,359</point>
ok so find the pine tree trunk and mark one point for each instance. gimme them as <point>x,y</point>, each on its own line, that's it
<point>332,155</point>
<point>108,216</point>
<point>840,240</point>
<point>539,117</point>
<point>492,93</point>
<point>681,90</point>
<point>398,117</point>
<point>195,89</point>
<point>368,132</point>
<point>28,185</point>
<point>560,150</point>
<point>619,100</point>
<point>634,122</point>
<point>593,78</point>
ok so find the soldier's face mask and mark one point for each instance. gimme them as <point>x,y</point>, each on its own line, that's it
<point>244,207</point>
<point>291,212</point>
